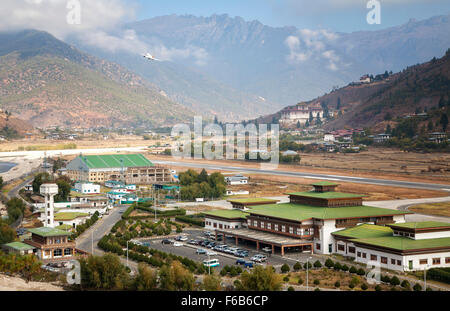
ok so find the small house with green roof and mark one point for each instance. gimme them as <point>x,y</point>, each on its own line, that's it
<point>245,203</point>
<point>51,244</point>
<point>18,248</point>
<point>405,246</point>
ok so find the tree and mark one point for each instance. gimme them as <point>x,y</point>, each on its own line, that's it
<point>105,272</point>
<point>329,263</point>
<point>297,266</point>
<point>64,187</point>
<point>285,268</point>
<point>444,122</point>
<point>353,270</point>
<point>2,183</point>
<point>7,234</point>
<point>318,120</point>
<point>298,125</point>
<point>361,271</point>
<point>146,279</point>
<point>40,179</point>
<point>211,283</point>
<point>405,284</point>
<point>317,264</point>
<point>203,176</point>
<point>337,284</point>
<point>395,281</point>
<point>261,279</point>
<point>316,282</point>
<point>417,287</point>
<point>378,288</point>
<point>345,268</point>
<point>15,208</point>
<point>176,278</point>
<point>364,286</point>
<point>311,117</point>
<point>338,105</point>
<point>430,126</point>
<point>337,266</point>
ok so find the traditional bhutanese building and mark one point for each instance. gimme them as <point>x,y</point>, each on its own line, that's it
<point>127,168</point>
<point>305,223</point>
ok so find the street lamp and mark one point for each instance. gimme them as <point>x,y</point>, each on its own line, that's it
<point>127,255</point>
<point>209,264</point>
<point>307,276</point>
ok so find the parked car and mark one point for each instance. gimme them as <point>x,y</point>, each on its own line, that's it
<point>259,258</point>
<point>177,244</point>
<point>248,264</point>
<point>183,238</point>
<point>240,262</point>
<point>267,249</point>
<point>211,253</point>
<point>200,251</point>
<point>166,241</point>
<point>193,242</point>
<point>211,263</point>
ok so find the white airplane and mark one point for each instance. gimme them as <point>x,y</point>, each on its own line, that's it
<point>150,57</point>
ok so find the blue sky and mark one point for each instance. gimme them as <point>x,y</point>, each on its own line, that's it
<point>336,15</point>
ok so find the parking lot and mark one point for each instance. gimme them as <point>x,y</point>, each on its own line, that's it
<point>189,250</point>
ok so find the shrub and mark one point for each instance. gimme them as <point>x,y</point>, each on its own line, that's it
<point>353,270</point>
<point>385,279</point>
<point>439,274</point>
<point>417,287</point>
<point>290,289</point>
<point>337,284</point>
<point>308,264</point>
<point>316,282</point>
<point>351,285</point>
<point>429,289</point>
<point>317,289</point>
<point>345,268</point>
<point>300,281</point>
<point>233,271</point>
<point>378,288</point>
<point>317,264</point>
<point>364,286</point>
<point>297,266</point>
<point>329,263</point>
<point>405,284</point>
<point>285,268</point>
<point>337,266</point>
<point>286,279</point>
<point>395,281</point>
<point>361,271</point>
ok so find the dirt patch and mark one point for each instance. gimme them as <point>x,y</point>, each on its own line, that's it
<point>10,283</point>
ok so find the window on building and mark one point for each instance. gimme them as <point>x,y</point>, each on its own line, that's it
<point>269,226</point>
<point>215,225</point>
<point>358,254</point>
<point>57,252</point>
<point>399,262</point>
<point>364,255</point>
<point>423,261</point>
<point>318,246</point>
<point>67,252</point>
<point>436,261</point>
<point>392,261</point>
<point>291,230</point>
<point>447,259</point>
<point>351,249</point>
<point>341,247</point>
<point>262,224</point>
<point>249,222</point>
<point>384,260</point>
<point>283,228</point>
<point>373,257</point>
<point>276,227</point>
<point>255,223</point>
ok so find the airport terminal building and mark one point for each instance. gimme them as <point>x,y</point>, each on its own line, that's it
<point>305,223</point>
<point>127,168</point>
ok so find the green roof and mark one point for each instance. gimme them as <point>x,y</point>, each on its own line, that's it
<point>404,243</point>
<point>229,214</point>
<point>114,160</point>
<point>64,227</point>
<point>69,215</point>
<point>298,212</point>
<point>324,183</point>
<point>19,246</point>
<point>252,200</point>
<point>365,231</point>
<point>421,225</point>
<point>48,232</point>
<point>326,195</point>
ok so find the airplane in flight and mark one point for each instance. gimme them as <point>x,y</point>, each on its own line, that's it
<point>150,57</point>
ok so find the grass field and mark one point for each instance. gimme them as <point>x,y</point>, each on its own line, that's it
<point>436,209</point>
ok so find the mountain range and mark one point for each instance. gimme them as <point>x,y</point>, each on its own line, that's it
<point>50,83</point>
<point>212,66</point>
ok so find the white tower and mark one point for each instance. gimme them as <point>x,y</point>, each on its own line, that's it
<point>49,191</point>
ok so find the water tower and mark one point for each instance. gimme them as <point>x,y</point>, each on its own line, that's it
<point>49,191</point>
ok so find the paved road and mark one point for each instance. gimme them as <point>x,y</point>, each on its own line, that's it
<point>361,180</point>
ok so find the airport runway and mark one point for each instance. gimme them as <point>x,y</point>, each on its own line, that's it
<point>337,178</point>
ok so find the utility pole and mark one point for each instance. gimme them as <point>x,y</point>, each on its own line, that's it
<point>92,242</point>
<point>127,255</point>
<point>307,276</point>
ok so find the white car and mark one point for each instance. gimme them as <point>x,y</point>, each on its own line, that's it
<point>259,258</point>
<point>177,244</point>
<point>267,249</point>
<point>183,238</point>
<point>211,253</point>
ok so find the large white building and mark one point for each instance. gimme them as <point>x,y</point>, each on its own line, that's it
<point>404,247</point>
<point>300,114</point>
<point>87,188</point>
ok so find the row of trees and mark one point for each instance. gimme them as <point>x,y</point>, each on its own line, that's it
<point>195,185</point>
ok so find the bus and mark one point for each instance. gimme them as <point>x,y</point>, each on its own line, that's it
<point>211,262</point>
